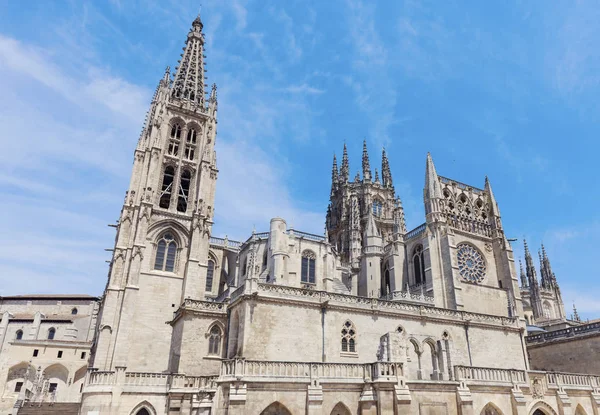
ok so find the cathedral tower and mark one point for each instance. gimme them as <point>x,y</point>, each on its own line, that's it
<point>161,247</point>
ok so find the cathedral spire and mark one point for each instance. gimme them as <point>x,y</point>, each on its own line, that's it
<point>543,272</point>
<point>432,184</point>
<point>523,276</point>
<point>345,169</point>
<point>334,175</point>
<point>529,267</point>
<point>365,163</point>
<point>386,173</point>
<point>576,314</point>
<point>377,176</point>
<point>493,203</point>
<point>188,84</point>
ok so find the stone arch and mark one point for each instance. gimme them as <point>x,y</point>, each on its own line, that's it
<point>491,409</point>
<point>276,408</point>
<point>413,355</point>
<point>429,360</point>
<point>79,374</point>
<point>541,408</point>
<point>18,373</point>
<point>57,372</point>
<point>215,336</point>
<point>340,409</point>
<point>580,411</point>
<point>144,408</point>
<point>180,233</point>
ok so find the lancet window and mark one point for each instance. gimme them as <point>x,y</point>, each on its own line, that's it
<point>190,144</point>
<point>377,208</point>
<point>214,340</point>
<point>209,275</point>
<point>418,259</point>
<point>184,191</point>
<point>167,187</point>
<point>51,333</point>
<point>175,138</point>
<point>308,267</point>
<point>348,337</point>
<point>19,335</point>
<point>166,249</point>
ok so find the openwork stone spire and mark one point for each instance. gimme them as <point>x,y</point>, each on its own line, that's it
<point>334,175</point>
<point>530,268</point>
<point>524,283</point>
<point>386,173</point>
<point>377,177</point>
<point>365,163</point>
<point>345,169</point>
<point>189,79</point>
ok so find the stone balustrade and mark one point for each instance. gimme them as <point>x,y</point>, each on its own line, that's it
<point>573,380</point>
<point>490,375</point>
<point>146,379</point>
<point>305,372</point>
<point>101,378</point>
<point>584,329</point>
<point>415,232</point>
<point>163,382</point>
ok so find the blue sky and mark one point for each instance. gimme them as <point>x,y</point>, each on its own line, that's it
<point>507,90</point>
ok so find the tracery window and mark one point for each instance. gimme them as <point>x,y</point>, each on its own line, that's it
<point>167,187</point>
<point>51,333</point>
<point>471,265</point>
<point>209,275</point>
<point>166,250</point>
<point>190,145</point>
<point>419,264</point>
<point>184,191</point>
<point>308,267</point>
<point>19,335</point>
<point>214,340</point>
<point>174,142</point>
<point>348,337</point>
<point>377,208</point>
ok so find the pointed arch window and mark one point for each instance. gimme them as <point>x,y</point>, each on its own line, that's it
<point>51,333</point>
<point>19,335</point>
<point>174,141</point>
<point>190,144</point>
<point>349,337</point>
<point>210,270</point>
<point>184,190</point>
<point>167,187</point>
<point>419,265</point>
<point>377,208</point>
<point>166,250</point>
<point>385,283</point>
<point>214,341</point>
<point>308,267</point>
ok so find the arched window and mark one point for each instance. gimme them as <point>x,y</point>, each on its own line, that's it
<point>142,411</point>
<point>214,341</point>
<point>165,253</point>
<point>175,137</point>
<point>167,187</point>
<point>377,208</point>
<point>19,335</point>
<point>190,144</point>
<point>348,337</point>
<point>419,265</point>
<point>184,191</point>
<point>308,267</point>
<point>210,270</point>
<point>385,280</point>
<point>74,311</point>
<point>51,333</point>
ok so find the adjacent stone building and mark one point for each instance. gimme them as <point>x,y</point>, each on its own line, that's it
<point>369,318</point>
<point>45,347</point>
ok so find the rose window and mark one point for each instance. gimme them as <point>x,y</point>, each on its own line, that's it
<point>471,265</point>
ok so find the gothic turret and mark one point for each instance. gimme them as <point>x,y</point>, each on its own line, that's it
<point>334,175</point>
<point>366,168</point>
<point>432,193</point>
<point>534,288</point>
<point>377,177</point>
<point>345,169</point>
<point>188,84</point>
<point>386,173</point>
<point>524,283</point>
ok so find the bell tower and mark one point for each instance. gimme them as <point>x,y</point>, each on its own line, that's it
<point>161,247</point>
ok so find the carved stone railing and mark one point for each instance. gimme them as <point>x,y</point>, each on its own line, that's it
<point>564,333</point>
<point>237,369</point>
<point>573,380</point>
<point>409,296</point>
<point>224,242</point>
<point>199,305</point>
<point>184,383</point>
<point>306,235</point>
<point>384,305</point>
<point>460,185</point>
<point>415,232</point>
<point>146,379</point>
<point>468,225</point>
<point>101,378</point>
<point>491,375</point>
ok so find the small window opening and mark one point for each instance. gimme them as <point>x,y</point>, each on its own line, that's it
<point>500,283</point>
<point>59,355</point>
<point>18,386</point>
<point>35,352</point>
<point>19,335</point>
<point>83,354</point>
<point>53,387</point>
<point>51,333</point>
<point>209,275</point>
<point>74,311</point>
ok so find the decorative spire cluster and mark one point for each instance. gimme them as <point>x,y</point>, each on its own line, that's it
<point>188,84</point>
<point>365,163</point>
<point>334,175</point>
<point>345,169</point>
<point>524,283</point>
<point>386,173</point>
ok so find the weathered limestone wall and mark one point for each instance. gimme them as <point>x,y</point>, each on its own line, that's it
<point>574,355</point>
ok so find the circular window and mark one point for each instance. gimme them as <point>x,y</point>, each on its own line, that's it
<point>471,264</point>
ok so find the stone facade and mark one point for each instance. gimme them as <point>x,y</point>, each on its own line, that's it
<point>46,342</point>
<point>369,318</point>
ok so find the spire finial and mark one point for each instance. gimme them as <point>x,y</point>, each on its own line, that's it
<point>334,175</point>
<point>386,173</point>
<point>432,185</point>
<point>377,176</point>
<point>365,163</point>
<point>188,84</point>
<point>575,313</point>
<point>345,169</point>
